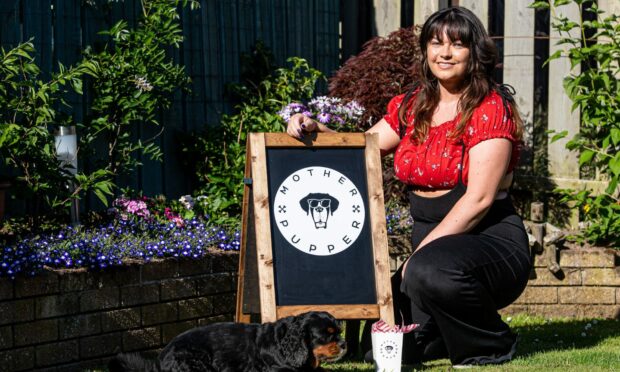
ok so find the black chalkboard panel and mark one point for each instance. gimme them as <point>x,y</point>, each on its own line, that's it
<point>313,235</point>
<point>320,226</point>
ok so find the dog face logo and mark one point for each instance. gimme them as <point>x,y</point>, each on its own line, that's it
<point>320,206</point>
<point>388,349</point>
<point>319,211</point>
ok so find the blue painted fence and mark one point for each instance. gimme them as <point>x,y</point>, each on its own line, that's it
<point>216,35</point>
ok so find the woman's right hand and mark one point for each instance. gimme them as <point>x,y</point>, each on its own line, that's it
<point>300,123</point>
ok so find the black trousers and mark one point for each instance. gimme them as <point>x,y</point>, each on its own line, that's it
<point>457,283</point>
<point>454,287</point>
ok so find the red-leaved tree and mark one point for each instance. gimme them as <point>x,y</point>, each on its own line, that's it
<point>384,69</point>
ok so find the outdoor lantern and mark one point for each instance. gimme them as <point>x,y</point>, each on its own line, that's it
<point>66,153</point>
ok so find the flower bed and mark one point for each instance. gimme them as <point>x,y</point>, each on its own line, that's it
<point>72,298</point>
<point>140,229</point>
<point>136,231</point>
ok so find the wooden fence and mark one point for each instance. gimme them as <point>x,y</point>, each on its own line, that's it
<point>325,32</point>
<point>525,40</point>
<point>215,37</point>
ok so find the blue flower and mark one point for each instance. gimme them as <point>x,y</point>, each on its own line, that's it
<point>107,245</point>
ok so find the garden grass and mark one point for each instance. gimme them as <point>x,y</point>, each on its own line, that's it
<point>545,344</point>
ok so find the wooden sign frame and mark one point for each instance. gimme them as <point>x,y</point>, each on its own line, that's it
<point>256,269</point>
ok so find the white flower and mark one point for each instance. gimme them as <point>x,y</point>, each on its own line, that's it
<point>187,201</point>
<point>142,83</point>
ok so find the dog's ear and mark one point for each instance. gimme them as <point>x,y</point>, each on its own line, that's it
<point>293,341</point>
<point>334,204</point>
<point>304,203</point>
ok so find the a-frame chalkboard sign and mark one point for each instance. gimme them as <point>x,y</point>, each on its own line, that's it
<point>314,231</point>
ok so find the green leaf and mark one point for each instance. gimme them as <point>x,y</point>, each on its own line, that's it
<point>557,54</point>
<point>559,136</point>
<point>612,186</point>
<point>586,157</point>
<point>614,165</point>
<point>615,136</point>
<point>101,196</point>
<point>539,5</point>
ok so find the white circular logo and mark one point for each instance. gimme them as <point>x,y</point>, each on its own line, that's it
<point>388,349</point>
<point>319,211</point>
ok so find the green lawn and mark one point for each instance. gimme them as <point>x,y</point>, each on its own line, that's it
<point>545,345</point>
<point>562,345</point>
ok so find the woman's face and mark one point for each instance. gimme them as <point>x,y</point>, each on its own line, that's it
<point>448,60</point>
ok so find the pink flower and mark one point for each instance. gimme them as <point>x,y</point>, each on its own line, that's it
<point>178,221</point>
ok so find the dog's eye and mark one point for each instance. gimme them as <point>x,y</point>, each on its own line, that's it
<point>332,330</point>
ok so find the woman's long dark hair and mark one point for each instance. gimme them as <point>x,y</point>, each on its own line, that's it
<point>462,25</point>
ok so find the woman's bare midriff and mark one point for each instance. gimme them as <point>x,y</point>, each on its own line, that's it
<point>503,186</point>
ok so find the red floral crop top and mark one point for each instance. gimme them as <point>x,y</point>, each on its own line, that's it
<point>435,163</point>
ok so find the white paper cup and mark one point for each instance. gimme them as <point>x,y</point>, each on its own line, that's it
<point>387,351</point>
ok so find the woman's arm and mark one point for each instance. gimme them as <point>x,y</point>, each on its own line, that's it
<point>299,123</point>
<point>488,162</point>
<point>388,139</point>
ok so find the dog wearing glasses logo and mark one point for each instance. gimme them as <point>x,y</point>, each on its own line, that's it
<point>295,343</point>
<point>318,211</point>
<point>320,207</point>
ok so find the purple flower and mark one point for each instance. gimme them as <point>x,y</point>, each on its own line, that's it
<point>324,117</point>
<point>338,120</point>
<point>291,109</point>
<point>327,110</point>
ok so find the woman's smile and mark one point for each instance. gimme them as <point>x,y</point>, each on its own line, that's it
<point>445,65</point>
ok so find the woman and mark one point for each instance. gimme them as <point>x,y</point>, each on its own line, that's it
<point>456,141</point>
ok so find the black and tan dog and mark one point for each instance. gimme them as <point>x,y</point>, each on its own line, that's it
<point>295,343</point>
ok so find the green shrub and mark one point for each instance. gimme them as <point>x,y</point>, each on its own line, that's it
<point>135,82</point>
<point>595,91</point>
<point>220,152</point>
<point>131,81</point>
<point>28,116</point>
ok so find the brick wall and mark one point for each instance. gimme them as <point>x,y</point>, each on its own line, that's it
<point>64,321</point>
<point>587,286</point>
